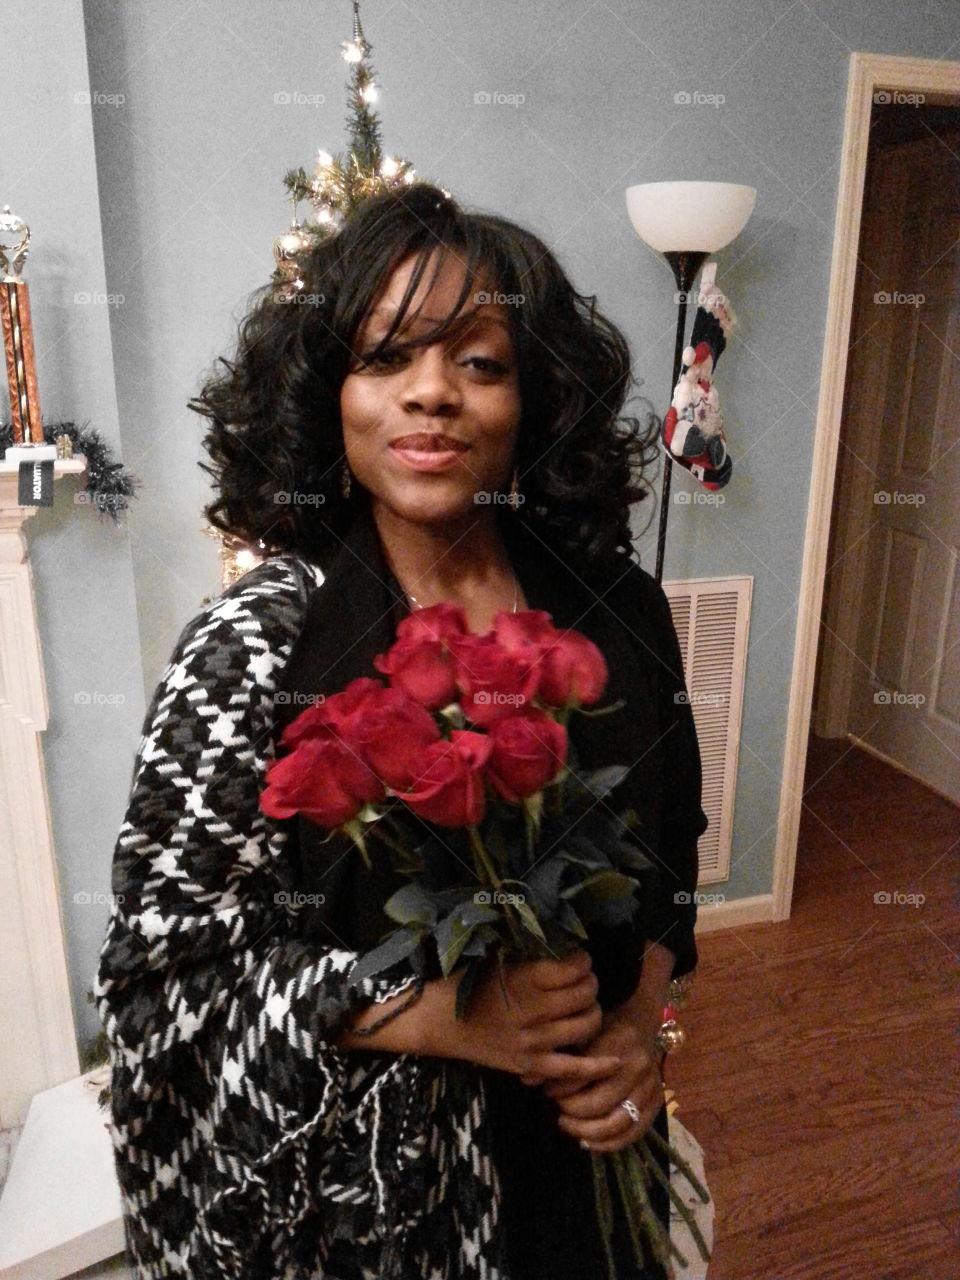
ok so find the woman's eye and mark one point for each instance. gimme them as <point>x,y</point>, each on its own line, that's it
<point>388,358</point>
<point>484,364</point>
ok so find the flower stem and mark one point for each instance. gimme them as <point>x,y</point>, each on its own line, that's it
<point>654,1166</point>
<point>485,867</point>
<point>487,874</point>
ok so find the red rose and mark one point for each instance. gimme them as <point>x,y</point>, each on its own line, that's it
<point>528,752</point>
<point>449,787</point>
<point>324,780</point>
<point>436,622</point>
<point>391,736</point>
<point>494,682</point>
<point>573,673</point>
<point>333,716</point>
<point>419,661</point>
<point>518,632</point>
<point>421,669</point>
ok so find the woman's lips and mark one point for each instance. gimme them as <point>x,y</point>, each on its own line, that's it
<point>427,451</point>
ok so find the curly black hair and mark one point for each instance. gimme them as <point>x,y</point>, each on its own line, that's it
<point>274,413</point>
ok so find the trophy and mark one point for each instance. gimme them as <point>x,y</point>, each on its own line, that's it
<point>29,448</point>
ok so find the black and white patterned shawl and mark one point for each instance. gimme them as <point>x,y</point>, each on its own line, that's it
<point>247,1146</point>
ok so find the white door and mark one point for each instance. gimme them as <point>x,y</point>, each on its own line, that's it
<point>905,690</point>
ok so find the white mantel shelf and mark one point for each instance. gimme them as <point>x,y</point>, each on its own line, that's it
<point>38,1046</point>
<point>62,467</point>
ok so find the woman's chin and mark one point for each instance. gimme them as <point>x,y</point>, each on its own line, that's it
<point>433,509</point>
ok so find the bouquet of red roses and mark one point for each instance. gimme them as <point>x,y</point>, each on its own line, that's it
<point>460,766</point>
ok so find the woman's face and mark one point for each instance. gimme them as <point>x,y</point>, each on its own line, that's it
<point>430,431</point>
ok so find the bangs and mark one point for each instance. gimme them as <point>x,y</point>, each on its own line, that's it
<point>475,252</point>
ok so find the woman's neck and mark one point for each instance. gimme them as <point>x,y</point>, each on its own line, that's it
<point>466,564</point>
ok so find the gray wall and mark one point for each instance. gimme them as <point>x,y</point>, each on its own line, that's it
<point>190,168</point>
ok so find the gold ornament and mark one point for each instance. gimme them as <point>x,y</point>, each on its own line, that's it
<point>671,1036</point>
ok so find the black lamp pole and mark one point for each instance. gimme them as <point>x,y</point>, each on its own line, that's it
<point>685,264</point>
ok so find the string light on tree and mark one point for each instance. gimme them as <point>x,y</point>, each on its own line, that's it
<point>340,182</point>
<point>337,185</point>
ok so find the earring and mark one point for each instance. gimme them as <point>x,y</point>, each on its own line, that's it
<point>516,497</point>
<point>345,480</point>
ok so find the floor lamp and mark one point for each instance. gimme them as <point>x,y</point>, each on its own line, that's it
<point>685,221</point>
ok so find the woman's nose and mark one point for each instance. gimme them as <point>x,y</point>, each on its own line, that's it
<point>431,384</point>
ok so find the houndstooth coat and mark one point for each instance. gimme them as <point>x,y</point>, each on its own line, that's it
<point>247,1146</point>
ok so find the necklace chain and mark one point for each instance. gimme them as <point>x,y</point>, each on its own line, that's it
<point>516,597</point>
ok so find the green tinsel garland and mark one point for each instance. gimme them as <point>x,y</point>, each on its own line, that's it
<point>109,483</point>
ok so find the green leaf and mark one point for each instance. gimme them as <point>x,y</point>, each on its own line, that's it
<point>473,912</point>
<point>600,782</point>
<point>396,948</point>
<point>482,939</point>
<point>602,884</point>
<point>571,921</point>
<point>452,936</point>
<point>530,921</point>
<point>455,931</point>
<point>601,711</point>
<point>628,855</point>
<point>411,905</point>
<point>543,884</point>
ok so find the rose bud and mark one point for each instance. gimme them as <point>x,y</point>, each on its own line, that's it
<point>493,681</point>
<point>324,780</point>
<point>449,787</point>
<point>529,751</point>
<point>573,673</point>
<point>392,736</point>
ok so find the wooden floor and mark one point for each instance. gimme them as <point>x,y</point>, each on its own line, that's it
<point>821,1072</point>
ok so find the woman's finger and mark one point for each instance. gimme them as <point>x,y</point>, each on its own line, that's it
<point>550,974</point>
<point>617,1126</point>
<point>599,1099</point>
<point>560,1089</point>
<point>571,1066</point>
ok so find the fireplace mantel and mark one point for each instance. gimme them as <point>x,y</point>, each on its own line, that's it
<point>38,1045</point>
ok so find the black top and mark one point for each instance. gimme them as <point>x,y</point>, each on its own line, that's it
<point>549,1216</point>
<point>352,617</point>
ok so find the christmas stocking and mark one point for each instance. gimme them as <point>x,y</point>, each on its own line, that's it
<point>692,430</point>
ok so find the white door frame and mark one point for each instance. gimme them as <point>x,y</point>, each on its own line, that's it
<point>869,73</point>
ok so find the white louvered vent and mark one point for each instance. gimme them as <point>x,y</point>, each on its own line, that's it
<point>712,619</point>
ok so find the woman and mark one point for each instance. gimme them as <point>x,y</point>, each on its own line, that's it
<point>437,418</point>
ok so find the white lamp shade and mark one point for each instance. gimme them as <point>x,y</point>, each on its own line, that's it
<point>689,217</point>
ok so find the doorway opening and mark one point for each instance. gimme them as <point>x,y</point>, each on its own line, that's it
<point>887,677</point>
<point>882,530</point>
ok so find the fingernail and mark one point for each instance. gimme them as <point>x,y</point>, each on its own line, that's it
<point>585,1144</point>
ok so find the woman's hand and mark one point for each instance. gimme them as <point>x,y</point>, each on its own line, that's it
<point>549,1004</point>
<point>591,1113</point>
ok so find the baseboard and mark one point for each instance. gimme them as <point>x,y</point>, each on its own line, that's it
<point>736,912</point>
<point>895,764</point>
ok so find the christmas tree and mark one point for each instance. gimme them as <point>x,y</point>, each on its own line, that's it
<point>340,182</point>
